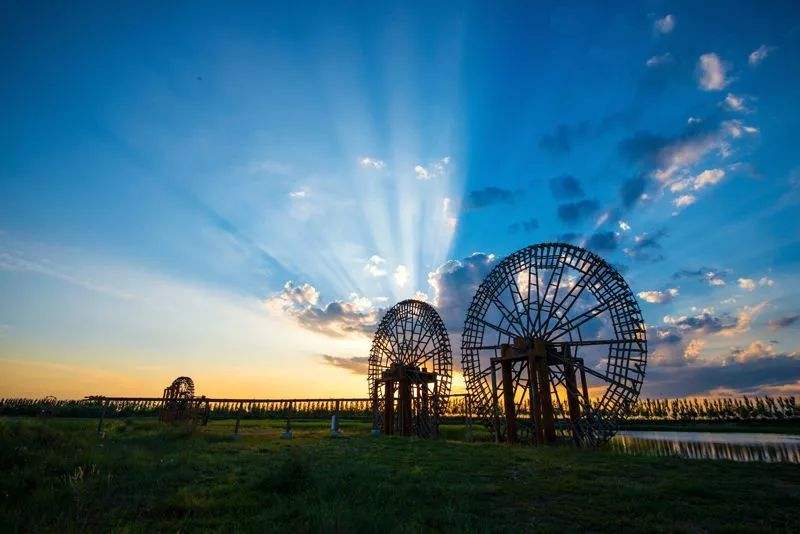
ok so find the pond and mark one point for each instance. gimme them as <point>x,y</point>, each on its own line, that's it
<point>740,447</point>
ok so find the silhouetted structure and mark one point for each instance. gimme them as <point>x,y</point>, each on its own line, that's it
<point>554,321</point>
<point>179,402</point>
<point>410,368</point>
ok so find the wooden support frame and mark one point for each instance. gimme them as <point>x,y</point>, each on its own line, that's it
<point>509,406</point>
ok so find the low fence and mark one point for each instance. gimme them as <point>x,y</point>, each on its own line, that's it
<point>457,408</point>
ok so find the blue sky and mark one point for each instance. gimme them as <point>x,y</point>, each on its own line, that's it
<point>236,192</point>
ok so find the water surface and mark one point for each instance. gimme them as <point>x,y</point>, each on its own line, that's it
<point>740,447</point>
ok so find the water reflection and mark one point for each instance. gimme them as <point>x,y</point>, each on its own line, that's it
<point>710,445</point>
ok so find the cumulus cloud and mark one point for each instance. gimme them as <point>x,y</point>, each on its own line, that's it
<point>299,194</point>
<point>455,282</point>
<point>658,297</point>
<point>375,266</point>
<point>401,275</point>
<point>372,163</point>
<point>624,226</point>
<point>736,128</point>
<point>566,186</point>
<point>665,24</point>
<point>336,319</point>
<point>759,54</point>
<point>655,61</point>
<point>711,72</point>
<point>764,281</point>
<point>355,364</point>
<point>572,212</point>
<point>754,351</point>
<point>434,170</point>
<point>488,196</point>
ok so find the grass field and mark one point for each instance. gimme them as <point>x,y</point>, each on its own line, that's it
<point>59,475</point>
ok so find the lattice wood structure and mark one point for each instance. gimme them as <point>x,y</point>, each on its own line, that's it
<point>179,405</point>
<point>554,321</point>
<point>410,368</point>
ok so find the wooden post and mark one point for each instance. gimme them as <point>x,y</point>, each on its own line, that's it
<point>102,416</point>
<point>238,417</point>
<point>405,405</point>
<point>467,409</point>
<point>375,414</point>
<point>336,415</point>
<point>508,393</point>
<point>388,408</point>
<point>206,414</point>
<point>585,388</point>
<point>495,409</point>
<point>571,386</point>
<point>545,399</point>
<point>533,390</point>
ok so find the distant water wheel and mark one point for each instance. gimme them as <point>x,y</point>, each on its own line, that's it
<point>554,346</point>
<point>178,405</point>
<point>410,367</point>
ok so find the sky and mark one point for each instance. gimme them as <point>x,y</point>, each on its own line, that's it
<point>238,191</point>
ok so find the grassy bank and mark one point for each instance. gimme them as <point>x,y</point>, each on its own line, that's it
<point>58,475</point>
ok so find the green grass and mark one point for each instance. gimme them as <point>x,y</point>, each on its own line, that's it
<point>58,475</point>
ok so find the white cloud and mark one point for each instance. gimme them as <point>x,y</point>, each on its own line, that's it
<point>712,72</point>
<point>708,177</point>
<point>755,351</point>
<point>336,319</point>
<point>299,194</point>
<point>419,295</point>
<point>693,120</point>
<point>713,279</point>
<point>684,200</point>
<point>759,54</point>
<point>372,163</point>
<point>401,275</point>
<point>665,24</point>
<point>736,129</point>
<point>374,266</point>
<point>624,226</point>
<point>693,350</point>
<point>434,170</point>
<point>764,281</point>
<point>735,103</point>
<point>658,297</point>
<point>661,59</point>
<point>748,284</point>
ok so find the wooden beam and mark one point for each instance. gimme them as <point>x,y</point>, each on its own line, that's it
<point>508,394</point>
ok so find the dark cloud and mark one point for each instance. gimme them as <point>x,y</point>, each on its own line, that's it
<point>566,186</point>
<point>708,275</point>
<point>525,226</point>
<point>455,283</point>
<point>704,322</point>
<point>564,136</point>
<point>744,376</point>
<point>355,364</point>
<point>602,241</point>
<point>783,322</point>
<point>632,189</point>
<point>488,196</point>
<point>561,140</point>
<point>647,247</point>
<point>572,212</point>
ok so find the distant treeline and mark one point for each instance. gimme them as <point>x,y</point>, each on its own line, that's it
<point>694,409</point>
